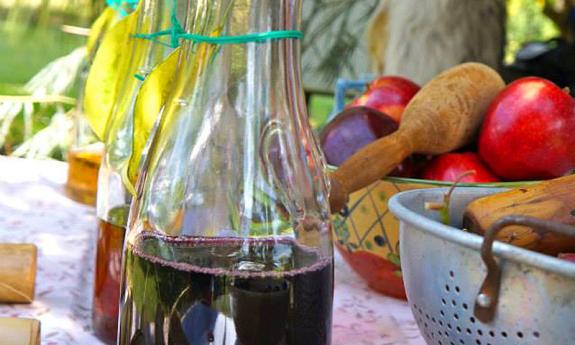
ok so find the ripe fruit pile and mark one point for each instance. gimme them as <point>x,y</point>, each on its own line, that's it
<point>528,133</point>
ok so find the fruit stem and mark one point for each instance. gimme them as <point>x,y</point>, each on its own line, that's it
<point>444,213</point>
<point>443,208</point>
<point>458,181</point>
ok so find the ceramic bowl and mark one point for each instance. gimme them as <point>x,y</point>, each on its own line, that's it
<point>367,234</point>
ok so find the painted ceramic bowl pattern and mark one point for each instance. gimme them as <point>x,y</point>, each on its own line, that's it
<point>367,233</point>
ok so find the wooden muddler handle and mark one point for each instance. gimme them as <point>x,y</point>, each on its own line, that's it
<point>363,169</point>
<point>15,331</point>
<point>17,272</point>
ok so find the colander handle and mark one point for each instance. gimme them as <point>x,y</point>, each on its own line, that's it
<point>488,296</point>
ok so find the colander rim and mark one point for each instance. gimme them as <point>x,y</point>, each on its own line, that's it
<point>470,240</point>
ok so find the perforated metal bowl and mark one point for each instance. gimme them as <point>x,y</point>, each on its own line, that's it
<point>444,273</point>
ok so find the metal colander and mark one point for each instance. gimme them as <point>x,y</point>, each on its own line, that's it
<point>528,298</point>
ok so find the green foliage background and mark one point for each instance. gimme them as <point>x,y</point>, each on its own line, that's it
<point>526,22</point>
<point>32,37</point>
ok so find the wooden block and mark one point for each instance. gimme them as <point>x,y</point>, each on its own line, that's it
<point>17,272</point>
<point>19,331</point>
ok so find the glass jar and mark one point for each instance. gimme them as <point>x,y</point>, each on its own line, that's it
<point>113,197</point>
<point>229,237</point>
<point>83,165</point>
<point>85,153</point>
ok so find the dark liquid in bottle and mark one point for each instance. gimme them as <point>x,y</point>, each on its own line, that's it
<point>107,281</point>
<point>225,291</point>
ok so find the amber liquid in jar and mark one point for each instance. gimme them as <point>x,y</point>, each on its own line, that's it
<point>107,281</point>
<point>82,183</point>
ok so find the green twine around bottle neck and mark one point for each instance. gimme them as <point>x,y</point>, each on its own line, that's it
<point>257,37</point>
<point>177,32</point>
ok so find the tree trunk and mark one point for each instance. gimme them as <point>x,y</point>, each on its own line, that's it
<point>418,39</point>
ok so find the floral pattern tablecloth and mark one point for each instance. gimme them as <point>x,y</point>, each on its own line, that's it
<point>34,209</point>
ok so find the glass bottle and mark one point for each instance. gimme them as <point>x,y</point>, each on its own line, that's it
<point>113,198</point>
<point>229,237</point>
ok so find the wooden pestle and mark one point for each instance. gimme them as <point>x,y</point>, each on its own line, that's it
<point>551,200</point>
<point>17,272</point>
<point>14,331</point>
<point>443,116</point>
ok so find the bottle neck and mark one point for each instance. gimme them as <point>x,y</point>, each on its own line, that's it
<point>273,66</point>
<point>240,17</point>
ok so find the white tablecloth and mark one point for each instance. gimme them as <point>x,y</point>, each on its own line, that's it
<point>34,209</point>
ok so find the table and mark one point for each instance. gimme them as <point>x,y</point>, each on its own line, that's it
<point>34,209</point>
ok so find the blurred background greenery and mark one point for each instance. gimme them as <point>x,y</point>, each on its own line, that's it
<point>526,22</point>
<point>32,36</point>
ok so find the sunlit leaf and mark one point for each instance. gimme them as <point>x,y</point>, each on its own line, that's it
<point>153,96</point>
<point>148,105</point>
<point>107,72</point>
<point>102,24</point>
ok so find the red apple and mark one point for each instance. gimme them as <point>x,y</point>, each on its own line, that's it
<point>568,257</point>
<point>529,131</point>
<point>390,95</point>
<point>450,166</point>
<point>351,130</point>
